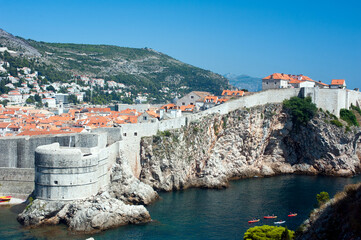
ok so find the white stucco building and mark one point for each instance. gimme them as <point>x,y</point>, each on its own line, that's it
<point>51,102</point>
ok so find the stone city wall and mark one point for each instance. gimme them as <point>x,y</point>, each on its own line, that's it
<point>18,152</point>
<point>332,100</point>
<point>17,182</point>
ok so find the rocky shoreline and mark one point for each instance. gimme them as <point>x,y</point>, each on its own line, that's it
<point>90,215</point>
<point>337,219</point>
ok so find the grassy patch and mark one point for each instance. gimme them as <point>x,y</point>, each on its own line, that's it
<point>336,122</point>
<point>357,109</point>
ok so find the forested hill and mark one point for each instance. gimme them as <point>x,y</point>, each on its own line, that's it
<point>141,68</point>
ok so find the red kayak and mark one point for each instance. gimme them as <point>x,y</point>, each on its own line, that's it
<point>5,198</point>
<point>254,221</point>
<point>292,214</point>
<point>270,217</point>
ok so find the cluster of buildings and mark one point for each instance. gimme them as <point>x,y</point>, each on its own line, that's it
<point>22,121</point>
<point>281,80</point>
<point>17,119</point>
<point>27,121</point>
<point>29,83</point>
<point>198,100</point>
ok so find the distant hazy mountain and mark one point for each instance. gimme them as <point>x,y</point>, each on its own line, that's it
<point>252,84</point>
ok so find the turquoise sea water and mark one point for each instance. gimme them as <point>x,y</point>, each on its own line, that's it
<point>205,213</point>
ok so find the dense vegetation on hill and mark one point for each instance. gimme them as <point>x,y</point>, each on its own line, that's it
<point>301,109</point>
<point>51,74</point>
<point>267,232</point>
<point>143,70</point>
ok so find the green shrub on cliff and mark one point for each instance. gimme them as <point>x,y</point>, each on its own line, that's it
<point>301,109</point>
<point>349,117</point>
<point>267,232</point>
<point>337,123</point>
<point>165,133</point>
<point>322,198</point>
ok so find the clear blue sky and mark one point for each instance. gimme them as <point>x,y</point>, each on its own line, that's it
<point>321,39</point>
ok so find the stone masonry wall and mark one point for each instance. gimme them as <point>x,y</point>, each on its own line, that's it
<point>18,152</point>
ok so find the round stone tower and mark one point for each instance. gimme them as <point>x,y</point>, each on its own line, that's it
<point>64,173</point>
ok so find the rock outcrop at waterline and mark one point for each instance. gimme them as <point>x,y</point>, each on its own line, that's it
<point>338,219</point>
<point>260,141</point>
<point>94,214</point>
<point>124,186</point>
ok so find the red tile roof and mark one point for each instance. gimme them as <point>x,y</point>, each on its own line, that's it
<point>211,99</point>
<point>338,82</point>
<point>4,125</point>
<point>153,114</point>
<point>188,108</point>
<point>232,93</point>
<point>41,132</point>
<point>168,106</point>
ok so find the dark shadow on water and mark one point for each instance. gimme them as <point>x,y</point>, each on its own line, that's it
<point>18,208</point>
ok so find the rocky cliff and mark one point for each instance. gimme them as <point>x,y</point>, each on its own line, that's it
<point>261,141</point>
<point>338,219</point>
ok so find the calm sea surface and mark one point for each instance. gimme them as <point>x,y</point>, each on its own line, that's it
<point>203,213</point>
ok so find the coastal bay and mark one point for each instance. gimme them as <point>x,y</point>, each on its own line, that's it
<point>205,213</point>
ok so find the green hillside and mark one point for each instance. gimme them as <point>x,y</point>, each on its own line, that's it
<point>143,70</point>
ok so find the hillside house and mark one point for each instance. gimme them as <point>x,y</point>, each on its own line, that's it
<point>148,116</point>
<point>50,102</point>
<point>187,109</point>
<point>210,101</point>
<point>169,111</point>
<point>338,83</point>
<point>193,98</point>
<point>10,85</point>
<point>15,97</point>
<point>276,80</point>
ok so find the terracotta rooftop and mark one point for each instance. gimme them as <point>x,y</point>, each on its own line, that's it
<point>338,82</point>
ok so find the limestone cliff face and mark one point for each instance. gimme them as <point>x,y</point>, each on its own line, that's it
<point>124,186</point>
<point>260,141</point>
<point>338,219</point>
